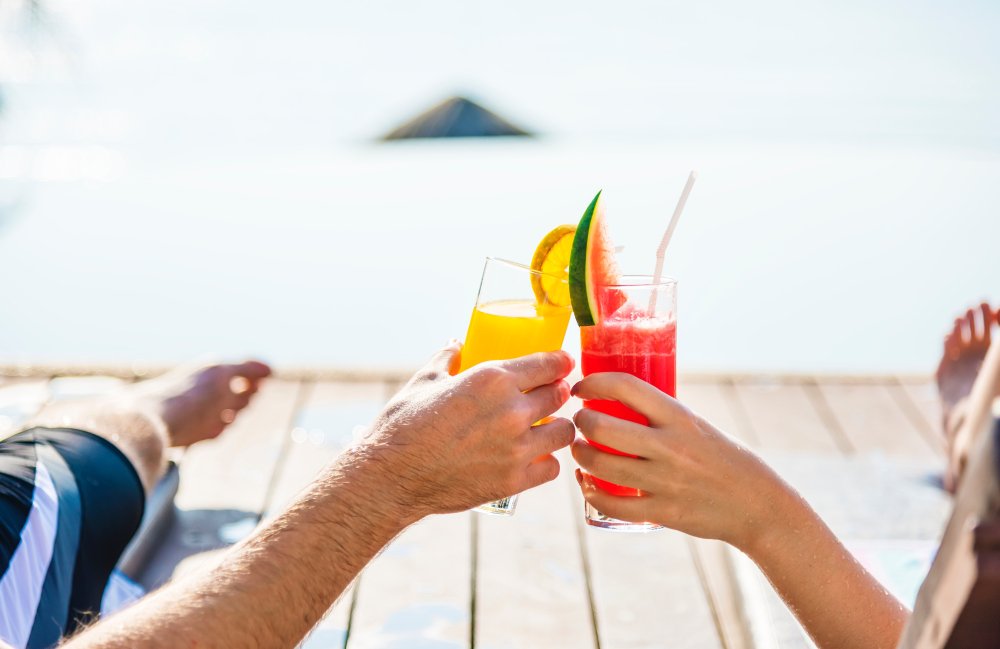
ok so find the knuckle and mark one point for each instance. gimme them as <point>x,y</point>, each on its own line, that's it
<point>519,415</point>
<point>550,361</point>
<point>490,375</point>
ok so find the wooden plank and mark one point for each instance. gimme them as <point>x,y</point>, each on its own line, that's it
<point>324,426</point>
<point>531,590</point>
<point>418,591</point>
<point>775,415</point>
<point>234,470</point>
<point>769,623</point>
<point>714,561</point>
<point>647,592</point>
<point>326,374</point>
<point>924,408</point>
<point>716,402</point>
<point>784,418</point>
<point>224,484</point>
<point>326,423</point>
<point>872,421</point>
<point>645,588</point>
<point>141,371</point>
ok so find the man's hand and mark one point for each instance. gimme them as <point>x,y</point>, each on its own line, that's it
<point>444,443</point>
<point>693,478</point>
<point>447,443</point>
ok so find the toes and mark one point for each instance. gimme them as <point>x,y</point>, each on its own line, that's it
<point>951,344</point>
<point>955,339</point>
<point>987,314</point>
<point>253,370</point>
<point>245,378</point>
<point>969,328</point>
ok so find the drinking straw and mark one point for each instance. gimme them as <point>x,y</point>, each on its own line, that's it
<point>662,250</point>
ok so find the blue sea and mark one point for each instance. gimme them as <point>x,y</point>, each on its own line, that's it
<point>189,178</point>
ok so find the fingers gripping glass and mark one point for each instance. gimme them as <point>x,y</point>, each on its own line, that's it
<point>517,312</point>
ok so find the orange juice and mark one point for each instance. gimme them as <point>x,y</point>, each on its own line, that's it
<point>510,328</point>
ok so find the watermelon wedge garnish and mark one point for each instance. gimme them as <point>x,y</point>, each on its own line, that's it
<point>592,268</point>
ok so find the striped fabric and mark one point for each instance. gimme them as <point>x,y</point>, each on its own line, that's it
<point>34,590</point>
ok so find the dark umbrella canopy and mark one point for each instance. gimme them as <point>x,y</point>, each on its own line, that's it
<point>455,117</point>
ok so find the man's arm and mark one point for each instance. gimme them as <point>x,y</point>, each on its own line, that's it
<point>695,479</point>
<point>444,444</point>
<point>274,588</point>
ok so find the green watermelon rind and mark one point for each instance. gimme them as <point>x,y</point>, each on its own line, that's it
<point>581,292</point>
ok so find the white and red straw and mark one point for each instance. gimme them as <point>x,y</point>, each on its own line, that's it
<point>662,250</point>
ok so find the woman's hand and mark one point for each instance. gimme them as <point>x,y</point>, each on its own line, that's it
<point>692,477</point>
<point>695,479</point>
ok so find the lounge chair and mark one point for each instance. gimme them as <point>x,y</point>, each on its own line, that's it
<point>958,605</point>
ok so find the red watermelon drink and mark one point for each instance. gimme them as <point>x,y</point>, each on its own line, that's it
<point>627,324</point>
<point>636,341</point>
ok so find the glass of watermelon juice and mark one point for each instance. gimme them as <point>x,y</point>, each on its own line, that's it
<point>639,337</point>
<point>508,321</point>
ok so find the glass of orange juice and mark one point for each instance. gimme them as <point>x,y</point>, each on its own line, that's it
<point>514,316</point>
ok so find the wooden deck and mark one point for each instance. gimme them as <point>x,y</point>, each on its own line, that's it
<point>864,450</point>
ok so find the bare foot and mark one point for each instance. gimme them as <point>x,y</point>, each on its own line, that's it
<point>198,405</point>
<point>964,350</point>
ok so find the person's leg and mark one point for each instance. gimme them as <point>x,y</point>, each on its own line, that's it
<point>72,490</point>
<point>965,347</point>
<point>178,409</point>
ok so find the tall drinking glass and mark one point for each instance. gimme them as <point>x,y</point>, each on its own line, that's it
<point>513,317</point>
<point>638,338</point>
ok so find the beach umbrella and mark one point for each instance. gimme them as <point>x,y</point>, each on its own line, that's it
<point>455,117</point>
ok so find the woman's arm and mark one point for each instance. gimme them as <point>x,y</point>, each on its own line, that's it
<point>695,479</point>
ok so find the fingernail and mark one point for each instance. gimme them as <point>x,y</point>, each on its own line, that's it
<point>579,477</point>
<point>573,390</point>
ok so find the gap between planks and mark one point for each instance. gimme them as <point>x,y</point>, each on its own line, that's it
<point>301,398</point>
